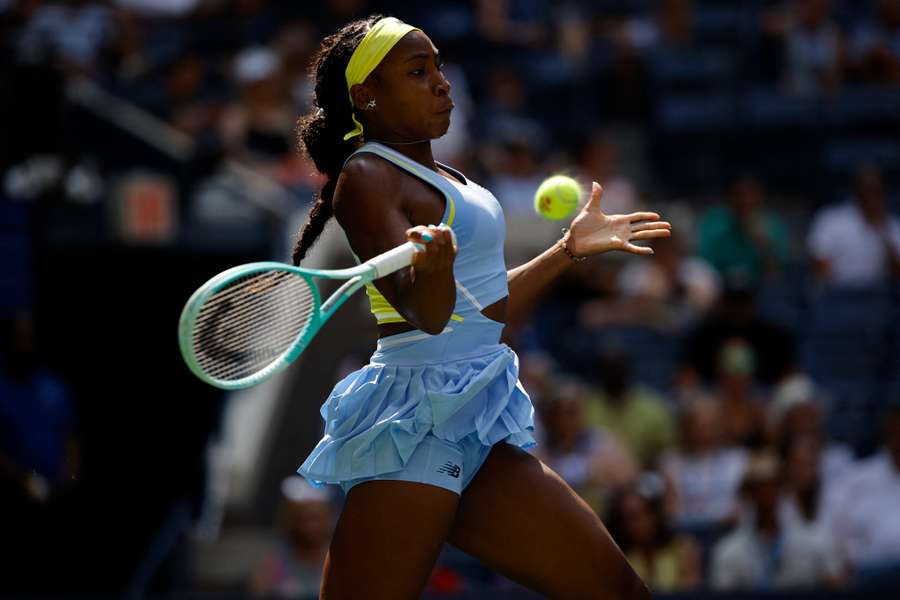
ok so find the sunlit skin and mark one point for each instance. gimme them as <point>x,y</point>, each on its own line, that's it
<point>413,103</point>
<point>516,516</point>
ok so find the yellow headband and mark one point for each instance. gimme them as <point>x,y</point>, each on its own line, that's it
<point>371,51</point>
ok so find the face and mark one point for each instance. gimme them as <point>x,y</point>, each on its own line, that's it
<point>701,427</point>
<point>803,462</point>
<point>567,417</point>
<point>870,196</point>
<point>765,495</point>
<point>411,93</point>
<point>746,198</point>
<point>640,522</point>
<point>803,419</point>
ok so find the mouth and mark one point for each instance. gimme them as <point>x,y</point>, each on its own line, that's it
<point>446,110</point>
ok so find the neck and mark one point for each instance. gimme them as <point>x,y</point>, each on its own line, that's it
<point>418,150</point>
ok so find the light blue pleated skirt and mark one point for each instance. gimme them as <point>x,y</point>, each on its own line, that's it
<point>461,384</point>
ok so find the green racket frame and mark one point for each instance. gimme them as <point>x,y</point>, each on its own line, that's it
<point>356,277</point>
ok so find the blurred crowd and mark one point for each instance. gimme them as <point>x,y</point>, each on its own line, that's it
<point>730,406</point>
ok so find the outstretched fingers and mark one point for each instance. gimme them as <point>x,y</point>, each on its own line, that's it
<point>642,216</point>
<point>645,250</point>
<point>652,225</point>
<point>651,234</point>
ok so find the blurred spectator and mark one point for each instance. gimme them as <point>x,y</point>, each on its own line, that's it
<point>639,417</point>
<point>672,288</point>
<point>864,512</point>
<point>670,25</point>
<point>764,553</point>
<point>295,44</point>
<point>875,46</point>
<point>70,32</point>
<point>805,495</point>
<point>184,103</point>
<point>537,371</point>
<point>597,159</point>
<point>159,8</point>
<point>589,459</point>
<point>636,520</point>
<point>39,458</point>
<point>735,316</point>
<point>294,570</point>
<point>513,141</point>
<point>813,45</point>
<point>38,448</point>
<point>518,172</point>
<point>796,410</point>
<point>742,239</point>
<point>857,242</point>
<point>703,472</point>
<point>257,128</point>
<point>512,23</point>
<point>736,390</point>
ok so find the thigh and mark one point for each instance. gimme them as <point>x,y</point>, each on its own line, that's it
<point>387,540</point>
<point>522,519</point>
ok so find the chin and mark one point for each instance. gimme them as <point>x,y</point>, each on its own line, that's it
<point>442,129</point>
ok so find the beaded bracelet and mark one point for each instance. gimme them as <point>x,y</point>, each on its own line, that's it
<point>565,248</point>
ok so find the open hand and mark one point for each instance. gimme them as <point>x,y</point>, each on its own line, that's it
<point>593,232</point>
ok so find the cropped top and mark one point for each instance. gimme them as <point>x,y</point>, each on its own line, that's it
<point>477,220</point>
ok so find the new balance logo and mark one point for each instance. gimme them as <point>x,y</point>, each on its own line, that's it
<point>450,469</point>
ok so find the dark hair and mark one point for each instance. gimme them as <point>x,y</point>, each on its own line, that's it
<point>654,496</point>
<point>321,132</point>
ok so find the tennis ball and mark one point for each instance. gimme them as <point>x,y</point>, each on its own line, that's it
<point>557,197</point>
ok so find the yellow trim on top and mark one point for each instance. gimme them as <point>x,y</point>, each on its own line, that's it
<point>451,205</point>
<point>452,213</point>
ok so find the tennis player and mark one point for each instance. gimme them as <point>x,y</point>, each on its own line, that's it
<point>427,439</point>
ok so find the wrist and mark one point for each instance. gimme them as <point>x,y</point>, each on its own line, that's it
<point>565,244</point>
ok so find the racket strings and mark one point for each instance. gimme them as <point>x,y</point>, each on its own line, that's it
<point>243,340</point>
<point>247,325</point>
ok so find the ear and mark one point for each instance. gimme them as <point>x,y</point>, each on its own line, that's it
<point>361,95</point>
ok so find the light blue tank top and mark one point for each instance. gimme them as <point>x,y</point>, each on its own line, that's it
<point>477,220</point>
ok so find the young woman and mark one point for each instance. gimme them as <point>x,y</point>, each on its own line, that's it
<point>668,563</point>
<point>427,438</point>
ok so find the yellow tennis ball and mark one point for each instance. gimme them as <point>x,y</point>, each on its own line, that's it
<point>557,197</point>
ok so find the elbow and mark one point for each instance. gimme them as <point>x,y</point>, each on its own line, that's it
<point>431,322</point>
<point>433,327</point>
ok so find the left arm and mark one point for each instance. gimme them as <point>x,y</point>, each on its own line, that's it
<point>591,232</point>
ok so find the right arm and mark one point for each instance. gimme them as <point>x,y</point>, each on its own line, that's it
<point>369,204</point>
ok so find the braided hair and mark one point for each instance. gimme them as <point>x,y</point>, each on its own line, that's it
<point>321,131</point>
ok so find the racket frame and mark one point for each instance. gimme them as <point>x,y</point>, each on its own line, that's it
<point>356,277</point>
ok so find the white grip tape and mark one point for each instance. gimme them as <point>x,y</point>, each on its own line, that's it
<point>393,260</point>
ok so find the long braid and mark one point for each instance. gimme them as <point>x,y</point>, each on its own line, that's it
<point>321,131</point>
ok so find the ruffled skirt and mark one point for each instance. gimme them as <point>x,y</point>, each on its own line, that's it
<point>377,416</point>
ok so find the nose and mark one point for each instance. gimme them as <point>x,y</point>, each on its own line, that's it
<point>443,85</point>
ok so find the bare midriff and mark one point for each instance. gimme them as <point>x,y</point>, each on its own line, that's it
<point>494,312</point>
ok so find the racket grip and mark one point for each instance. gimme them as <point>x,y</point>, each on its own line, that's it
<point>394,259</point>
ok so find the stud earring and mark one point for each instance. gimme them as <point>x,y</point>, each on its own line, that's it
<point>370,105</point>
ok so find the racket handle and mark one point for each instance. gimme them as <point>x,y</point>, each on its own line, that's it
<point>394,259</point>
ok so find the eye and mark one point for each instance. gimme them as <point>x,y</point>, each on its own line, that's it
<point>418,72</point>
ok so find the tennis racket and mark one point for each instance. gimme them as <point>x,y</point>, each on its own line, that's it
<point>250,322</point>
